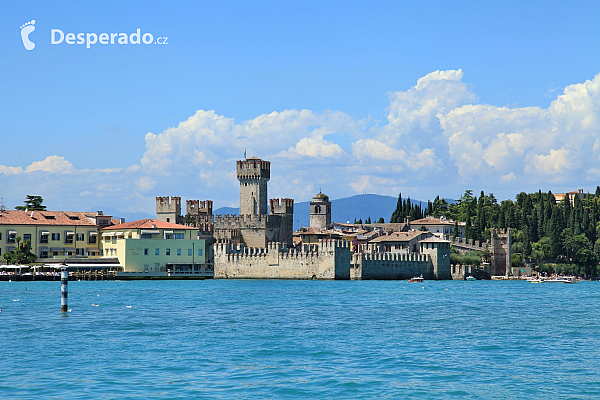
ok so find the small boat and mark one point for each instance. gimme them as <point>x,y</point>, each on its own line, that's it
<point>535,279</point>
<point>567,279</point>
<point>416,279</point>
<point>470,278</point>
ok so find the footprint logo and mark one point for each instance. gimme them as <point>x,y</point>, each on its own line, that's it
<point>26,29</point>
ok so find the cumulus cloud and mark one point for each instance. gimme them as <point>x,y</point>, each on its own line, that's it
<point>436,136</point>
<point>54,164</point>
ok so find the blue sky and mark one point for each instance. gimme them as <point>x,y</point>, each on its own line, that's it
<point>425,98</point>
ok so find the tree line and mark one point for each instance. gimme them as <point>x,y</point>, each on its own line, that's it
<point>553,236</point>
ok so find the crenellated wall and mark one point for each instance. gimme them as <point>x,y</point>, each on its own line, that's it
<point>387,266</point>
<point>328,260</point>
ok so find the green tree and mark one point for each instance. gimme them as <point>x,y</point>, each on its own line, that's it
<point>33,203</point>
<point>21,255</point>
<point>381,220</point>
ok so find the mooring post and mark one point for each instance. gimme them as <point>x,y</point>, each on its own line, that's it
<point>64,281</point>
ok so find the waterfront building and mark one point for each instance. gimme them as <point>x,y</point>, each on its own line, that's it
<point>153,248</point>
<point>53,234</point>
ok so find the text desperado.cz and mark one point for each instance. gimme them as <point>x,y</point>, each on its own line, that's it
<point>57,37</point>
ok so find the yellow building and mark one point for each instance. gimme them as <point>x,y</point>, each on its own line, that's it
<point>153,248</point>
<point>53,233</point>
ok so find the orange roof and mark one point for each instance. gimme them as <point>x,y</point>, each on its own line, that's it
<point>148,224</point>
<point>399,237</point>
<point>73,218</point>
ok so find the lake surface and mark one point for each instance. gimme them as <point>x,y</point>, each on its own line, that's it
<point>233,339</point>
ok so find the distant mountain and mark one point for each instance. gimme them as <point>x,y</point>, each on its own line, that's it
<point>361,206</point>
<point>226,210</point>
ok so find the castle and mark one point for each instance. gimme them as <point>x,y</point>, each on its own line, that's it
<point>255,226</point>
<point>257,243</point>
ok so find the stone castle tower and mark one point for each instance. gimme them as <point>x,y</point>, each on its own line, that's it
<point>253,175</point>
<point>169,210</point>
<point>320,211</point>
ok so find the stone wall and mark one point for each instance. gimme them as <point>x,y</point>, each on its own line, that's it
<point>391,266</point>
<point>329,260</point>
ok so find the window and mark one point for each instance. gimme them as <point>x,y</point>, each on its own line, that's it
<point>80,237</point>
<point>178,252</point>
<point>27,237</point>
<point>79,252</point>
<point>56,236</point>
<point>146,236</point>
<point>44,238</point>
<point>179,236</point>
<point>11,237</point>
<point>92,238</point>
<point>168,219</point>
<point>44,254</point>
<point>145,252</point>
<point>69,238</point>
<point>168,252</point>
<point>199,252</point>
<point>156,252</point>
<point>0,235</point>
<point>190,252</point>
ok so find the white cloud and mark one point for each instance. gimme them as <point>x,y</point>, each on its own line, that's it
<point>436,138</point>
<point>5,170</point>
<point>55,164</point>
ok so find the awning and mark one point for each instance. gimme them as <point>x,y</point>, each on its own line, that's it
<point>93,233</point>
<point>43,248</point>
<point>168,231</point>
<point>118,233</point>
<point>57,249</point>
<point>108,234</point>
<point>9,248</point>
<point>12,232</point>
<point>150,232</point>
<point>69,233</point>
<point>92,250</point>
<point>45,233</point>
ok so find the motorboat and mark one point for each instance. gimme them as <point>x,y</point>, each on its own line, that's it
<point>416,279</point>
<point>470,278</point>
<point>564,279</point>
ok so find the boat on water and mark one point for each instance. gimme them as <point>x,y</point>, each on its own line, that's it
<point>470,278</point>
<point>535,279</point>
<point>564,279</point>
<point>416,279</point>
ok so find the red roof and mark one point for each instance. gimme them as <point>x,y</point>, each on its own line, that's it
<point>73,218</point>
<point>148,224</point>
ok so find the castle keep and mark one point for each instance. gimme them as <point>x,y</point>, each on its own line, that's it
<point>255,226</point>
<point>258,243</point>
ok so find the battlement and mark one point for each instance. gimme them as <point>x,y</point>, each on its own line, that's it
<point>253,168</point>
<point>286,206</point>
<point>166,201</point>
<point>197,207</point>
<point>386,256</point>
<point>168,209</point>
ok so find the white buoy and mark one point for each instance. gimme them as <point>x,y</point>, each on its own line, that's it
<point>64,281</point>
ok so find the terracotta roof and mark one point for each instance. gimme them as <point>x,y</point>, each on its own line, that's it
<point>148,224</point>
<point>399,237</point>
<point>73,218</point>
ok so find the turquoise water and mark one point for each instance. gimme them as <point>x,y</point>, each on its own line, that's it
<point>300,339</point>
